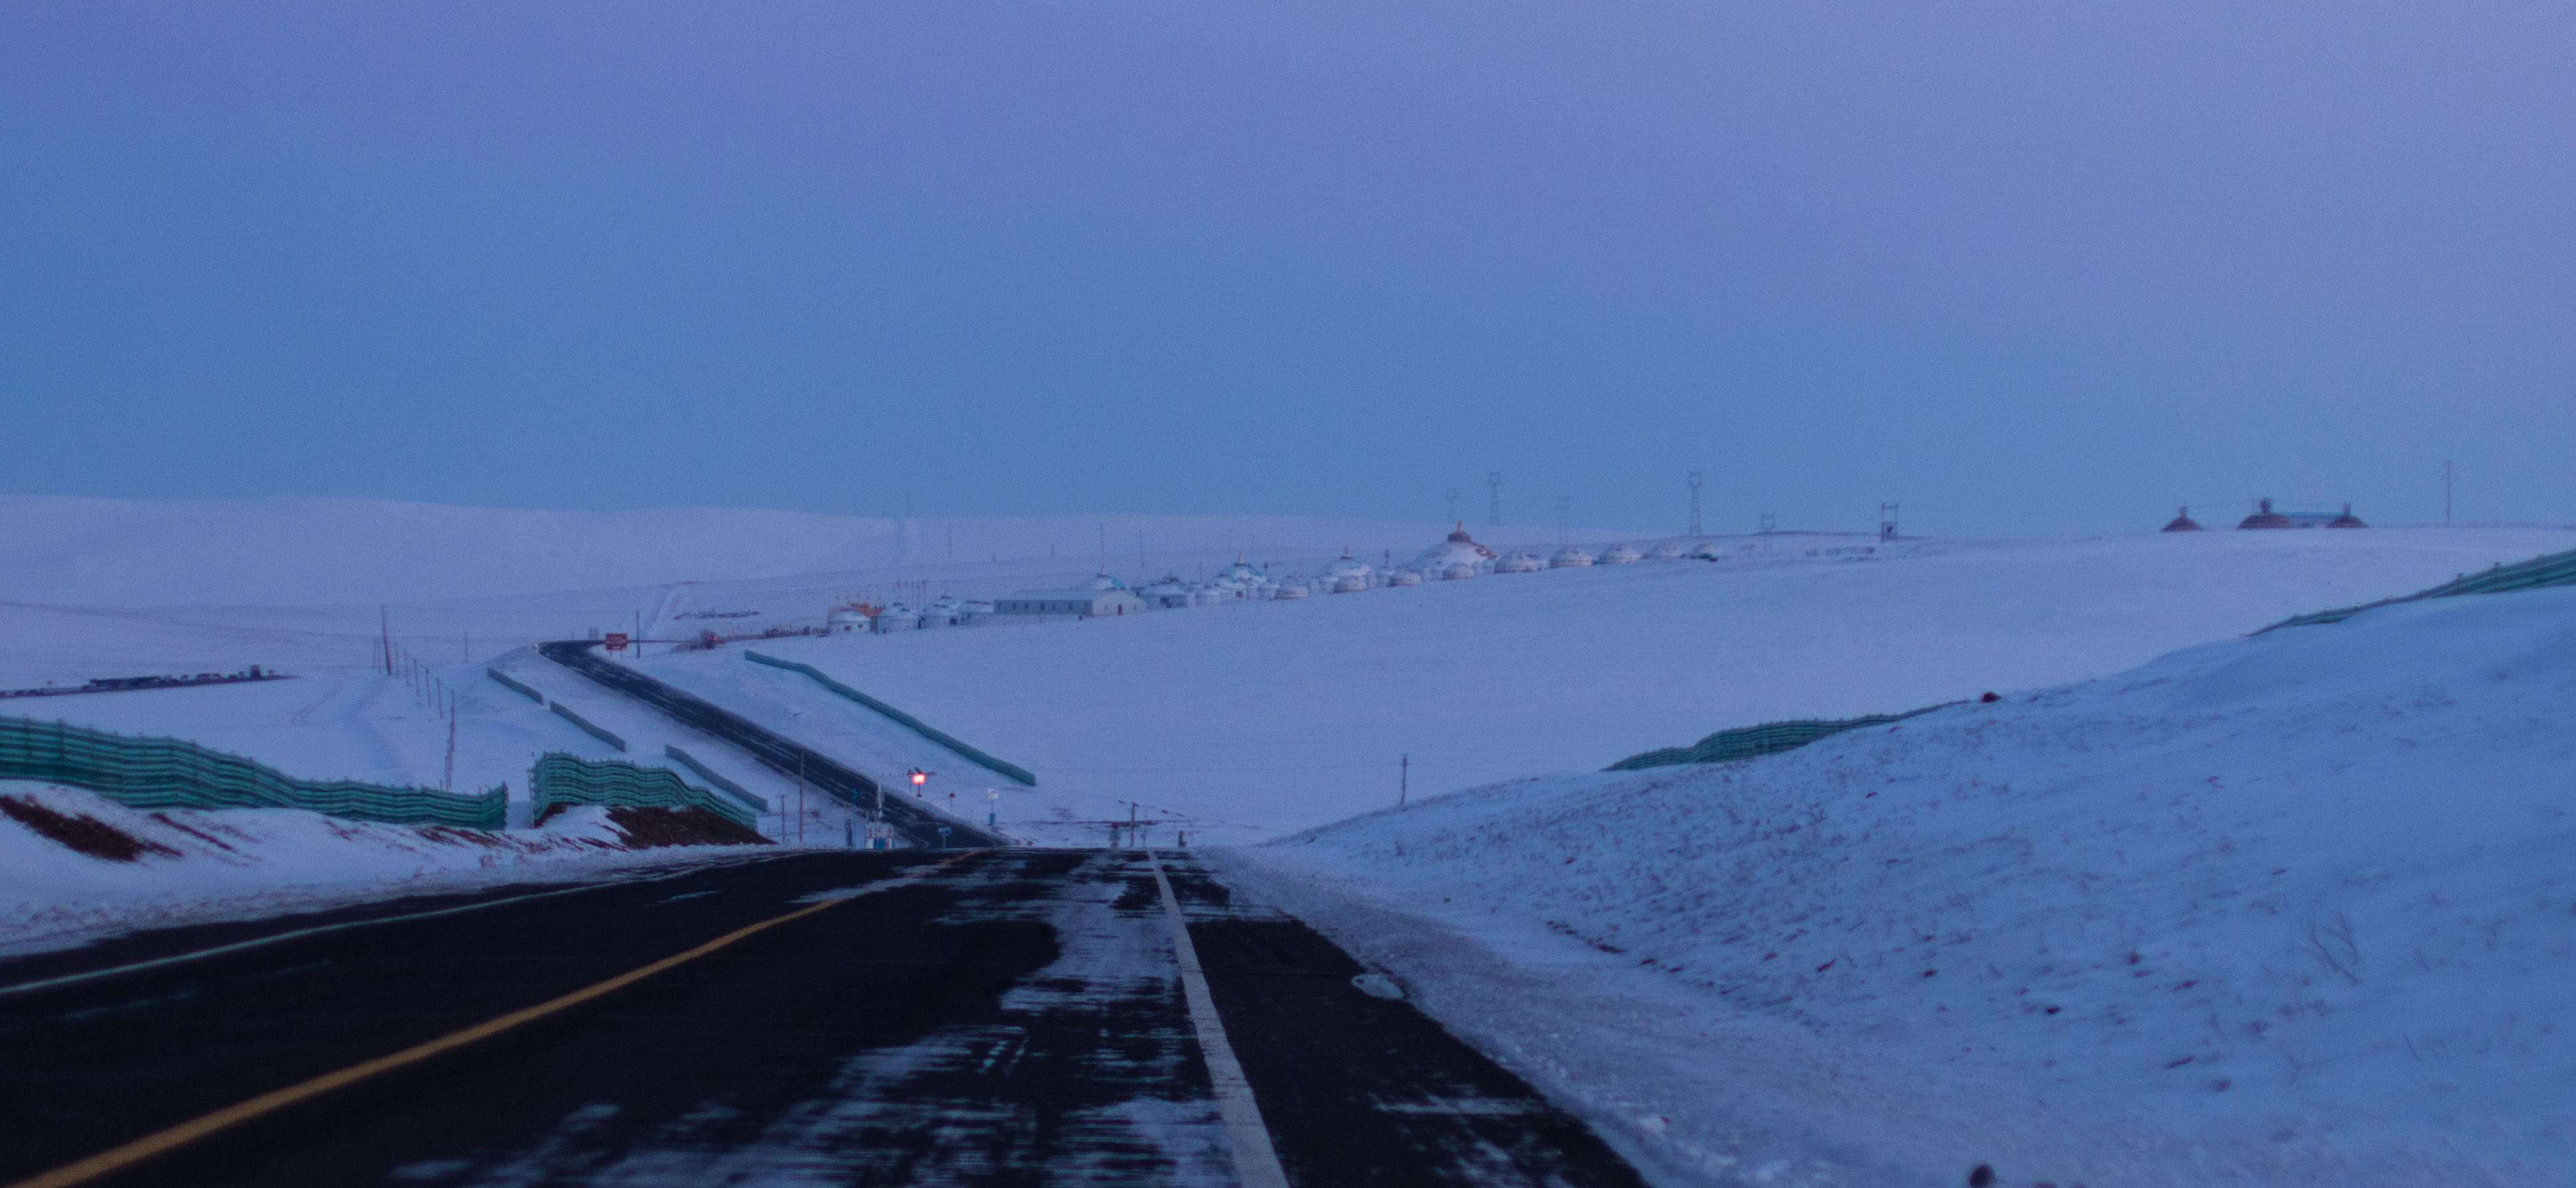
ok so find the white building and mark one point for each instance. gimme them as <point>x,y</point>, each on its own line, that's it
<point>847,620</point>
<point>1619,554</point>
<point>1459,549</point>
<point>897,618</point>
<point>1103,597</point>
<point>1667,551</point>
<point>1403,577</point>
<point>1519,561</point>
<point>1569,557</point>
<point>1349,575</point>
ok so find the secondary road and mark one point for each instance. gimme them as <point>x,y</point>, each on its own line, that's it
<point>1009,1017</point>
<point>917,823</point>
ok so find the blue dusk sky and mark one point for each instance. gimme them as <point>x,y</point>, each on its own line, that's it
<point>2022,267</point>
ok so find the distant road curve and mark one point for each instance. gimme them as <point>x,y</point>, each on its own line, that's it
<point>917,823</point>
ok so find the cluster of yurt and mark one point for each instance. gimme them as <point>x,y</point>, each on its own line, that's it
<point>1456,558</point>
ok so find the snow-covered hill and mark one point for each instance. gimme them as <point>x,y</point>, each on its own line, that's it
<point>2289,909</point>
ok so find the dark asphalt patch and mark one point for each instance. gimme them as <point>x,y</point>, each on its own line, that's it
<point>1360,1090</point>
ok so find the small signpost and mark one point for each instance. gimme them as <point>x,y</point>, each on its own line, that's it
<point>617,641</point>
<point>943,837</point>
<point>880,836</point>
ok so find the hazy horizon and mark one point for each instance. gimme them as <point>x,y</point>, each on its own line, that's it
<point>2022,271</point>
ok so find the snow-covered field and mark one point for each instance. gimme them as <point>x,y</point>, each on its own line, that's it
<point>2290,909</point>
<point>2285,909</point>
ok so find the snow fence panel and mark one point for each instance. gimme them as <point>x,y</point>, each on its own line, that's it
<point>722,784</point>
<point>589,727</point>
<point>2548,569</point>
<point>1769,738</point>
<point>907,721</point>
<point>515,686</point>
<point>560,778</point>
<point>164,773</point>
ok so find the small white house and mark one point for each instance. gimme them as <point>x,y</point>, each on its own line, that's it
<point>847,620</point>
<point>1069,604</point>
<point>897,618</point>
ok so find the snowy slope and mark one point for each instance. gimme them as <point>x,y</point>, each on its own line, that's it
<point>1255,719</point>
<point>238,863</point>
<point>1243,722</point>
<point>2293,909</point>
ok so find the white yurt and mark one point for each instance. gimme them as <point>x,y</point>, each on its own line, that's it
<point>1403,577</point>
<point>897,618</point>
<point>1666,551</point>
<point>1290,590</point>
<point>1709,550</point>
<point>947,612</point>
<point>1569,557</point>
<point>846,620</point>
<point>1349,575</point>
<point>1458,549</point>
<point>1619,554</point>
<point>1171,593</point>
<point>1458,572</point>
<point>1519,561</point>
<point>1104,581</point>
<point>978,609</point>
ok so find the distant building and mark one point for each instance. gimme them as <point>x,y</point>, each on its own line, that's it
<point>1458,549</point>
<point>1619,554</point>
<point>2182,521</point>
<point>2265,517</point>
<point>1069,604</point>
<point>1569,557</point>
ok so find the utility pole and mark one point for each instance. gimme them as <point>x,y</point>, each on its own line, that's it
<point>1493,499</point>
<point>1694,490</point>
<point>385,624</point>
<point>1403,779</point>
<point>1564,519</point>
<point>2446,492</point>
<point>1887,521</point>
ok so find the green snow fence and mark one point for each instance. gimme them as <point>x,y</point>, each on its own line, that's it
<point>907,721</point>
<point>566,779</point>
<point>1770,738</point>
<point>163,773</point>
<point>2548,569</point>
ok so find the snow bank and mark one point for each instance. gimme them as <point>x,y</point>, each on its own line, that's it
<point>2293,909</point>
<point>234,863</point>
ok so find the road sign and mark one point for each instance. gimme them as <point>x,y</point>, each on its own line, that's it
<point>943,837</point>
<point>617,641</point>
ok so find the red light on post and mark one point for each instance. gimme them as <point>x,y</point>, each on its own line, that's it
<point>919,777</point>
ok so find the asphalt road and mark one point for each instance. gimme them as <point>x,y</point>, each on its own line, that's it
<point>916,822</point>
<point>994,1018</point>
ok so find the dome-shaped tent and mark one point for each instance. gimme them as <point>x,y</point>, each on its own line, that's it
<point>1619,554</point>
<point>2182,521</point>
<point>1569,557</point>
<point>2265,517</point>
<point>1667,551</point>
<point>1519,561</point>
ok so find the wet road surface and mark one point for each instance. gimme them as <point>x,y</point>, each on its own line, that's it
<point>994,1018</point>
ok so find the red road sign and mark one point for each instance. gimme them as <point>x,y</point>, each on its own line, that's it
<point>617,641</point>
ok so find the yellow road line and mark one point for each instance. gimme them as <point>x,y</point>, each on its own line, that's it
<point>159,1142</point>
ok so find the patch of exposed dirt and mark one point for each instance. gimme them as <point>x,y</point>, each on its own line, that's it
<point>646,828</point>
<point>200,834</point>
<point>82,833</point>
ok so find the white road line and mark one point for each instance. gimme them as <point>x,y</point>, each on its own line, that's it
<point>317,930</point>
<point>1256,1164</point>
